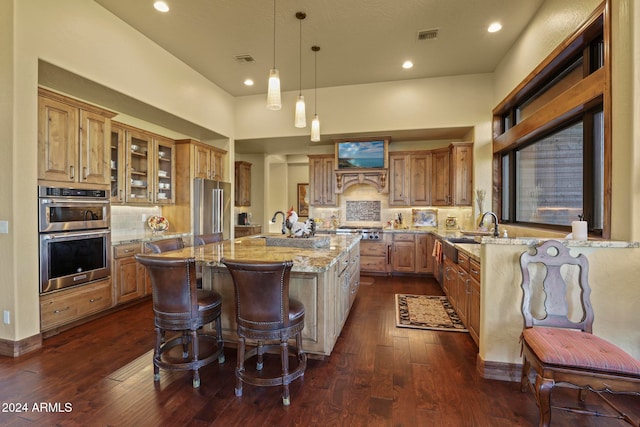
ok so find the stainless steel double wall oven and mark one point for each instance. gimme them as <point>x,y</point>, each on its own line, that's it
<point>75,236</point>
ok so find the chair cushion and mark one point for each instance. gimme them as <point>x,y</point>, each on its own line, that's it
<point>579,349</point>
<point>208,299</point>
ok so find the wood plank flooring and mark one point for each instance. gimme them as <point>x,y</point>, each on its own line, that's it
<point>378,375</point>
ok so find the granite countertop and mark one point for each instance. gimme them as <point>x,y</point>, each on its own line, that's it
<point>254,248</point>
<point>470,249</point>
<point>146,236</point>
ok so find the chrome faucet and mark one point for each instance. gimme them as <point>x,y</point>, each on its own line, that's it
<point>273,220</point>
<point>496,233</point>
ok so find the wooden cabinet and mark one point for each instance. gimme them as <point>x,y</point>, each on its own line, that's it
<point>63,307</point>
<point>247,230</point>
<point>424,250</point>
<point>243,184</point>
<point>142,166</point>
<point>208,161</point>
<point>189,165</point>
<point>410,174</point>
<point>404,253</point>
<point>462,174</point>
<point>474,301</point>
<point>129,276</point>
<point>73,140</point>
<point>462,288</point>
<point>440,193</point>
<point>348,280</point>
<point>375,256</point>
<point>322,180</point>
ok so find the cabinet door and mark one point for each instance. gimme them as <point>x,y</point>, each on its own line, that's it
<point>57,140</point>
<point>139,179</point>
<point>322,181</point>
<point>329,184</point>
<point>424,248</point>
<point>95,135</point>
<point>440,193</point>
<point>164,157</point>
<point>404,257</point>
<point>462,295</point>
<point>117,166</point>
<point>420,182</point>
<point>474,310</point>
<point>202,162</point>
<point>399,185</point>
<point>243,184</point>
<point>462,178</point>
<point>129,281</point>
<point>217,165</point>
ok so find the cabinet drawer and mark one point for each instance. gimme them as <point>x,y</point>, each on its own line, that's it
<point>67,306</point>
<point>373,249</point>
<point>373,264</point>
<point>463,261</point>
<point>474,269</point>
<point>127,249</point>
<point>403,237</point>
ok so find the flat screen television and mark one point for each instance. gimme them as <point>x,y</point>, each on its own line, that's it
<point>370,154</point>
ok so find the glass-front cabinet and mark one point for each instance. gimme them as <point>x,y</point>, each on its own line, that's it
<point>142,167</point>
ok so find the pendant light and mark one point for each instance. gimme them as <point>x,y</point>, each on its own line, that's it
<point>315,123</point>
<point>273,91</point>
<point>300,120</point>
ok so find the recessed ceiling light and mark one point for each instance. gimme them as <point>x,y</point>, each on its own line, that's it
<point>161,6</point>
<point>495,27</point>
<point>407,64</point>
<point>248,82</point>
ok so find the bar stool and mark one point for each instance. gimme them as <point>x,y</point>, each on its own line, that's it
<point>264,312</point>
<point>178,306</point>
<point>159,246</point>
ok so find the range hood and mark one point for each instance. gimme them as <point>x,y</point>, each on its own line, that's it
<point>374,177</point>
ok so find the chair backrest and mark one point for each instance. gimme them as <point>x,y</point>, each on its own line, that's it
<point>555,292</point>
<point>262,293</point>
<point>203,239</point>
<point>159,246</point>
<point>173,282</point>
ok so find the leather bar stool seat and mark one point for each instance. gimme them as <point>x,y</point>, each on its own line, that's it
<point>266,314</point>
<point>182,309</point>
<point>204,239</point>
<point>159,246</point>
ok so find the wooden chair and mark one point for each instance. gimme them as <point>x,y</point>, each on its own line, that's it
<point>264,312</point>
<point>178,306</point>
<point>159,246</point>
<point>562,351</point>
<point>204,239</point>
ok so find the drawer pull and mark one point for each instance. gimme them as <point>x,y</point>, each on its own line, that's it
<point>475,271</point>
<point>95,299</point>
<point>60,311</point>
<point>126,251</point>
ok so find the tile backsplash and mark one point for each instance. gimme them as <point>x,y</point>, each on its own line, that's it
<point>363,210</point>
<point>132,219</point>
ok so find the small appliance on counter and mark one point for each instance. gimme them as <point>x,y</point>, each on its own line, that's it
<point>243,218</point>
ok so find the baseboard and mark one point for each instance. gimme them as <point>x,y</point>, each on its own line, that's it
<point>499,370</point>
<point>18,348</point>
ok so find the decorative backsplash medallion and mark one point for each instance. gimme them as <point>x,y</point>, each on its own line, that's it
<point>363,210</point>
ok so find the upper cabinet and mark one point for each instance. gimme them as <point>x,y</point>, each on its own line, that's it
<point>410,178</point>
<point>462,174</point>
<point>243,184</point>
<point>440,177</point>
<point>208,162</point>
<point>322,180</point>
<point>73,140</point>
<point>142,167</point>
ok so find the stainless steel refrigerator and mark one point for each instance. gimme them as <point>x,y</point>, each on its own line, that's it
<point>212,207</point>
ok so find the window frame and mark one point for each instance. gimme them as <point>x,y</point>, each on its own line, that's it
<point>574,103</point>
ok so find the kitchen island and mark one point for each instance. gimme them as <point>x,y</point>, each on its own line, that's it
<point>325,280</point>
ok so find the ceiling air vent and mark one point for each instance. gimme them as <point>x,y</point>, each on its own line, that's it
<point>428,34</point>
<point>245,59</point>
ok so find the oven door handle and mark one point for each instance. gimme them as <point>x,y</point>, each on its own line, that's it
<point>71,201</point>
<point>51,236</point>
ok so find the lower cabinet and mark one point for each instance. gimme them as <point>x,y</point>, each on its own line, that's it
<point>129,276</point>
<point>246,230</point>
<point>474,301</point>
<point>375,256</point>
<point>411,253</point>
<point>66,306</point>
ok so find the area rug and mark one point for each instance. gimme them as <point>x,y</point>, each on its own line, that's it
<point>427,312</point>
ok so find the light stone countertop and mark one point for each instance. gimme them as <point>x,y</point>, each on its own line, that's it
<point>254,248</point>
<point>146,236</point>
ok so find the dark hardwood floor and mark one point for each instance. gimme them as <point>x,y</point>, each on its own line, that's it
<point>100,374</point>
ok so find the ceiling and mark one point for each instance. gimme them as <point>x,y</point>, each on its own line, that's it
<point>361,41</point>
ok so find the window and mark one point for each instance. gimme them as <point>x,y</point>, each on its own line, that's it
<point>550,142</point>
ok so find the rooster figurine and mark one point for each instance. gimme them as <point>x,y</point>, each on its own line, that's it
<point>299,229</point>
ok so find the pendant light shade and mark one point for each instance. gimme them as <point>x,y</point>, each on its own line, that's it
<point>274,101</point>
<point>273,90</point>
<point>315,123</point>
<point>300,119</point>
<point>315,128</point>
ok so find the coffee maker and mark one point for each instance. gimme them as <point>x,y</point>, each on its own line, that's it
<point>243,218</point>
